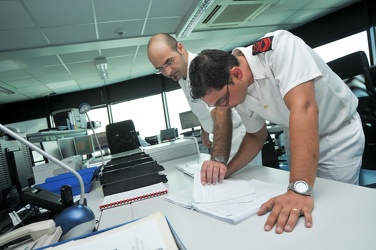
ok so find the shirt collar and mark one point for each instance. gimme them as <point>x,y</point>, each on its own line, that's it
<point>257,68</point>
<point>190,58</point>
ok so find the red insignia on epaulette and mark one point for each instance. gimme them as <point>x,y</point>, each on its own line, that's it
<point>262,45</point>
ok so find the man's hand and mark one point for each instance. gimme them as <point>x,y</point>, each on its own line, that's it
<point>205,138</point>
<point>286,210</point>
<point>212,172</point>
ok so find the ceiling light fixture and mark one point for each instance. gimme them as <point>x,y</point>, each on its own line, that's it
<point>191,20</point>
<point>6,91</point>
<point>101,64</point>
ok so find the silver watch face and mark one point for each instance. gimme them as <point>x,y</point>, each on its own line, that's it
<point>219,159</point>
<point>301,187</point>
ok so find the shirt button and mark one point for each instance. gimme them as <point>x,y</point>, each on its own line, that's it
<point>265,106</point>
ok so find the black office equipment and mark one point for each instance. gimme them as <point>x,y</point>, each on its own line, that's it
<point>188,120</point>
<point>169,134</point>
<point>126,172</point>
<point>125,163</point>
<point>74,220</point>
<point>130,184</point>
<point>122,136</point>
<point>126,158</point>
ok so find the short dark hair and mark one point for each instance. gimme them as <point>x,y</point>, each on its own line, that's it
<point>209,70</point>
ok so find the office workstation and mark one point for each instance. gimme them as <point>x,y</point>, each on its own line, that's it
<point>342,213</point>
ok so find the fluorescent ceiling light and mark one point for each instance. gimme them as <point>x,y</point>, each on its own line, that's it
<point>101,64</point>
<point>189,24</point>
<point>6,91</point>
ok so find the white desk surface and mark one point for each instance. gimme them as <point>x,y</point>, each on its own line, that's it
<point>344,216</point>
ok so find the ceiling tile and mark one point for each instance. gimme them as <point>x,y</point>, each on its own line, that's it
<point>162,25</point>
<point>50,13</point>
<point>24,83</point>
<point>13,16</point>
<point>111,10</point>
<point>35,62</point>
<point>14,75</point>
<point>71,34</point>
<point>175,8</point>
<point>130,28</point>
<point>47,71</point>
<point>21,39</point>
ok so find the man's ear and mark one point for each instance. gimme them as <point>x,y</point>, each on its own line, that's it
<point>236,72</point>
<point>180,48</point>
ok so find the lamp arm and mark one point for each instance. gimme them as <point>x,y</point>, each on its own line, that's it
<point>50,157</point>
<point>96,138</point>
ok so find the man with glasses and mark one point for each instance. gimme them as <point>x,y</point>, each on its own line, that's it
<point>170,58</point>
<point>282,80</point>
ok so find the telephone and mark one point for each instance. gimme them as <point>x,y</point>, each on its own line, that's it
<point>42,233</point>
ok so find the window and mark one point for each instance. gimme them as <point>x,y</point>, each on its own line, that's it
<point>98,114</point>
<point>177,103</point>
<point>343,47</point>
<point>147,114</point>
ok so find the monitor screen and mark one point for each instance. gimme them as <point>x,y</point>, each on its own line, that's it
<point>188,120</point>
<point>102,139</point>
<point>67,147</point>
<point>84,144</point>
<point>51,148</point>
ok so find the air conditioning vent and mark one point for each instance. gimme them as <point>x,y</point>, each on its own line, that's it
<point>216,8</point>
<point>236,13</point>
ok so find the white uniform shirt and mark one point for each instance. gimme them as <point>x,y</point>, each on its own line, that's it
<point>202,111</point>
<point>288,63</point>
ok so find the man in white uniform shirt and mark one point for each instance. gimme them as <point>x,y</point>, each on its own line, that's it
<point>170,58</point>
<point>282,80</point>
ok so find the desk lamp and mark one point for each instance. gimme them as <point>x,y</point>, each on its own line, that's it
<point>75,220</point>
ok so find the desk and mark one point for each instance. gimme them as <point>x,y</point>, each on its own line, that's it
<point>343,218</point>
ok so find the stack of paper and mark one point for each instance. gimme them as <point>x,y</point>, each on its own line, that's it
<point>232,200</point>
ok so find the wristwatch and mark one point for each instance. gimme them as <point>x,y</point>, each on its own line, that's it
<point>219,158</point>
<point>301,187</point>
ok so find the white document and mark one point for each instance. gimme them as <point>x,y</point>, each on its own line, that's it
<point>232,210</point>
<point>191,167</point>
<point>151,232</point>
<point>227,190</point>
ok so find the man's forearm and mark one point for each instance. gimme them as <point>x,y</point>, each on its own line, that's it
<point>222,132</point>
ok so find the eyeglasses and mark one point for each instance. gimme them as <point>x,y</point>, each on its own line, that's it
<point>223,101</point>
<point>168,63</point>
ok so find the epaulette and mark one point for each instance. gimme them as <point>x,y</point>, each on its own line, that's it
<point>262,45</point>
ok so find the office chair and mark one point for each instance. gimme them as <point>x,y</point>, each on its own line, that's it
<point>122,136</point>
<point>354,69</point>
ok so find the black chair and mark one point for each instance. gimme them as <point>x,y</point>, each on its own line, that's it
<point>122,136</point>
<point>354,69</point>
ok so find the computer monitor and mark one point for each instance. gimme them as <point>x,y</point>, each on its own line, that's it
<point>188,120</point>
<point>102,138</point>
<point>84,144</point>
<point>52,148</point>
<point>67,147</point>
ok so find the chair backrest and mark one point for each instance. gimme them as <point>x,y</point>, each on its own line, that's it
<point>122,136</point>
<point>354,69</point>
<point>372,71</point>
<point>354,66</point>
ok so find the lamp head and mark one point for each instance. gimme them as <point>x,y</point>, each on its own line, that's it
<point>84,108</point>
